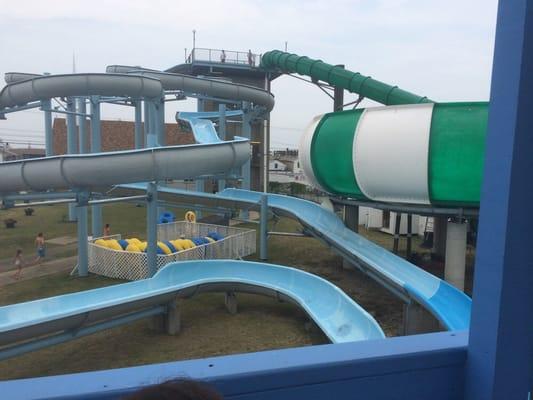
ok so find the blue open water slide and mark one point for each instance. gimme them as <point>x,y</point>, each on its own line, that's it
<point>448,304</point>
<point>337,315</point>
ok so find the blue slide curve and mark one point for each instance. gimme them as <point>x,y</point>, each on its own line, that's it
<point>448,304</point>
<point>203,128</point>
<point>337,315</point>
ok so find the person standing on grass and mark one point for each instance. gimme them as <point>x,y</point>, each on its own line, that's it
<point>18,261</point>
<point>39,242</point>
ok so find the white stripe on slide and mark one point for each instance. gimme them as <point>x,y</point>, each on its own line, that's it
<point>390,151</point>
<point>304,152</point>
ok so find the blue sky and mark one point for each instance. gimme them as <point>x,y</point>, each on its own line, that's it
<point>435,48</point>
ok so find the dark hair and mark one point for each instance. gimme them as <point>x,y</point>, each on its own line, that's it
<point>19,252</point>
<point>40,234</point>
<point>107,225</point>
<point>179,389</point>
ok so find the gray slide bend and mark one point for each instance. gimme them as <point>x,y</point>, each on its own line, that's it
<point>13,77</point>
<point>90,171</point>
<point>209,87</point>
<point>49,86</point>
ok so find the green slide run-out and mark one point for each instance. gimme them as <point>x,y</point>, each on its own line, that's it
<point>413,151</point>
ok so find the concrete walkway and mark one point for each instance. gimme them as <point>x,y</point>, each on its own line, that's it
<point>35,271</point>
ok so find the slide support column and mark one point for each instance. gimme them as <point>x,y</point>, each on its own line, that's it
<point>46,106</point>
<point>222,135</point>
<point>96,147</point>
<point>439,237</point>
<point>138,125</point>
<point>146,105</point>
<point>72,145</point>
<point>397,225</point>
<point>409,236</point>
<point>83,236</point>
<point>454,270</point>
<point>199,183</point>
<point>246,167</point>
<point>81,125</point>
<point>263,228</point>
<point>151,228</point>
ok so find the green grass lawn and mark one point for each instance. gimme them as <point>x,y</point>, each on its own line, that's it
<point>124,218</point>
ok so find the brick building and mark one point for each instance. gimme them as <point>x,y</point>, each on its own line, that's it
<point>117,135</point>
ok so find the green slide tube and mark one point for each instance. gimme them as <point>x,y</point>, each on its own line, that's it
<point>428,154</point>
<point>337,76</point>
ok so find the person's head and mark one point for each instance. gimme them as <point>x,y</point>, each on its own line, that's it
<point>19,252</point>
<point>40,234</point>
<point>107,226</point>
<point>179,389</point>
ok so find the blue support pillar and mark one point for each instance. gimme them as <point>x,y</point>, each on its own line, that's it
<point>199,183</point>
<point>151,136</point>
<point>151,228</point>
<point>48,132</point>
<point>72,144</point>
<point>139,142</point>
<point>263,229</point>
<point>160,118</point>
<point>246,171</point>
<point>146,105</point>
<point>83,254</point>
<point>81,125</point>
<point>222,135</point>
<point>96,147</point>
<point>500,352</point>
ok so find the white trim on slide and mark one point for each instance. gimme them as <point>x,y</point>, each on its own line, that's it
<point>305,152</point>
<point>391,149</point>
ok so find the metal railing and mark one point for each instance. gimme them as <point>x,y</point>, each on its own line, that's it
<point>223,56</point>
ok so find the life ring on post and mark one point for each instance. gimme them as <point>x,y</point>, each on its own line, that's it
<point>190,216</point>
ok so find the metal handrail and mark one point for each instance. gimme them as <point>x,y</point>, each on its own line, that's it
<point>223,56</point>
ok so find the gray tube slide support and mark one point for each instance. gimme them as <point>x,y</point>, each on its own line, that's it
<point>96,147</point>
<point>48,131</point>
<point>151,228</point>
<point>82,140</point>
<point>209,87</point>
<point>85,171</point>
<point>263,228</point>
<point>46,87</point>
<point>139,142</point>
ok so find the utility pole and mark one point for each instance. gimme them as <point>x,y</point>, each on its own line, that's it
<point>193,39</point>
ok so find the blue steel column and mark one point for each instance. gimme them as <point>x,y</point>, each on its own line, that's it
<point>151,137</point>
<point>222,135</point>
<point>151,228</point>
<point>83,253</point>
<point>81,123</point>
<point>46,105</point>
<point>138,125</point>
<point>72,144</point>
<point>146,105</point>
<point>500,352</point>
<point>96,147</point>
<point>160,125</point>
<point>199,183</point>
<point>246,167</point>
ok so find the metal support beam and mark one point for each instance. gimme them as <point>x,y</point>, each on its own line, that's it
<point>146,105</point>
<point>151,227</point>
<point>199,183</point>
<point>351,217</point>
<point>263,229</point>
<point>222,135</point>
<point>409,248</point>
<point>72,144</point>
<point>81,125</point>
<point>159,105</point>
<point>455,261</point>
<point>338,96</point>
<point>246,169</point>
<point>139,142</point>
<point>48,129</point>
<point>96,147</point>
<point>83,248</point>
<point>397,225</point>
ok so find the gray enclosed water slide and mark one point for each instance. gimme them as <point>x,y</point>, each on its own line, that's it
<point>89,171</point>
<point>210,87</point>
